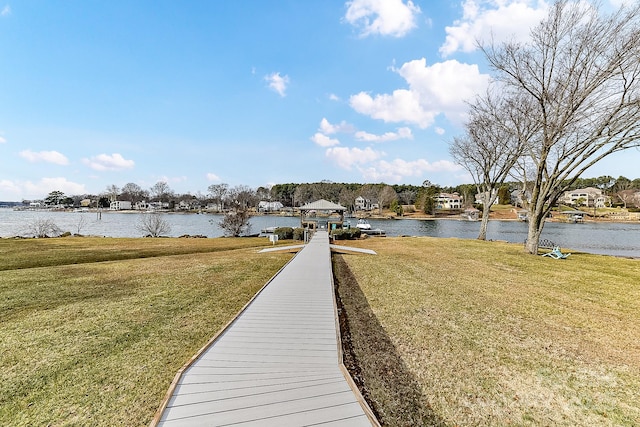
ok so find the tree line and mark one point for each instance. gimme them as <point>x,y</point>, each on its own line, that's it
<point>222,196</point>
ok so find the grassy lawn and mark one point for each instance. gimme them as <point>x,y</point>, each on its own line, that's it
<point>94,329</point>
<point>445,331</point>
<point>463,332</point>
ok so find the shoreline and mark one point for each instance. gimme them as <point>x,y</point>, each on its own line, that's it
<point>501,215</point>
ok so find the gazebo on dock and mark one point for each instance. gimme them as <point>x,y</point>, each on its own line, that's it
<point>322,214</point>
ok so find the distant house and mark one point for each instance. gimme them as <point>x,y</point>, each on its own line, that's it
<point>120,205</point>
<point>158,205</point>
<point>480,197</point>
<point>187,205</point>
<point>448,201</point>
<point>265,206</point>
<point>517,197</point>
<point>141,206</point>
<point>85,203</point>
<point>590,197</point>
<point>363,204</point>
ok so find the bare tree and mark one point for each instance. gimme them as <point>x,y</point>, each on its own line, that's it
<point>112,192</point>
<point>218,193</point>
<point>133,192</point>
<point>386,195</point>
<point>581,72</point>
<point>242,197</point>
<point>161,191</point>
<point>348,198</point>
<point>42,227</point>
<point>626,196</point>
<point>235,221</point>
<point>494,136</point>
<point>81,223</point>
<point>153,225</point>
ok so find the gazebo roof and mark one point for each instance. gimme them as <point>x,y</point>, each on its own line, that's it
<point>322,205</point>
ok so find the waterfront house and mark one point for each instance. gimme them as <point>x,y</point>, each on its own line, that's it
<point>141,205</point>
<point>589,197</point>
<point>364,204</point>
<point>265,206</point>
<point>480,197</point>
<point>120,205</point>
<point>448,201</point>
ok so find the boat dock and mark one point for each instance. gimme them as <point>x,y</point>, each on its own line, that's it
<point>278,363</point>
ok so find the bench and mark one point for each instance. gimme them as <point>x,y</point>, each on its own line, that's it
<point>544,244</point>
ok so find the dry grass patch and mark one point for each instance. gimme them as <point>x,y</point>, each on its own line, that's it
<point>492,336</point>
<point>27,253</point>
<point>99,343</point>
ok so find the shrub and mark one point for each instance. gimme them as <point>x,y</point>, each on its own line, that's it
<point>284,233</point>
<point>346,234</point>
<point>298,233</point>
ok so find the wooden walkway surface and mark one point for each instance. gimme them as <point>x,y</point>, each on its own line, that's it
<point>278,363</point>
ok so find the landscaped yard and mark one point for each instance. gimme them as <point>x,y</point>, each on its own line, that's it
<point>445,331</point>
<point>464,332</point>
<point>98,342</point>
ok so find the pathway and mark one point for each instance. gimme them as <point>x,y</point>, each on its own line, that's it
<point>278,363</point>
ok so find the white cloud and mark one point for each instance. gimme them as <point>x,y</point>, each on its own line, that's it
<point>439,130</point>
<point>346,157</point>
<point>213,177</point>
<point>105,162</point>
<point>278,83</point>
<point>441,88</point>
<point>47,185</point>
<point>385,17</point>
<point>401,106</point>
<point>2,140</point>
<point>334,97</point>
<point>6,11</point>
<point>329,129</point>
<point>16,190</point>
<point>398,169</point>
<point>498,19</point>
<point>402,133</point>
<point>324,141</point>
<point>9,187</point>
<point>44,156</point>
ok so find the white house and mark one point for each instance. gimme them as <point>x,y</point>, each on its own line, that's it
<point>362,204</point>
<point>120,205</point>
<point>480,197</point>
<point>448,201</point>
<point>141,205</point>
<point>265,206</point>
<point>590,197</point>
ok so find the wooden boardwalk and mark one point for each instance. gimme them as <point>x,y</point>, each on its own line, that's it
<point>278,363</point>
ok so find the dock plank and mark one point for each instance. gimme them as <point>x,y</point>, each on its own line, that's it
<point>278,363</point>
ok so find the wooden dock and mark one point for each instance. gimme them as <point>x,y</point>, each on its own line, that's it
<point>279,363</point>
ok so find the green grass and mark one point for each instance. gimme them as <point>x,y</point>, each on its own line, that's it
<point>94,330</point>
<point>463,332</point>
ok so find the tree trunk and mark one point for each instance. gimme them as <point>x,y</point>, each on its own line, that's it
<point>482,235</point>
<point>536,223</point>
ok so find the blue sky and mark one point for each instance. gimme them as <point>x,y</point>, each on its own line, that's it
<point>95,93</point>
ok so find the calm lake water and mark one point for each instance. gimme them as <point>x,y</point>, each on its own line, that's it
<point>620,239</point>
